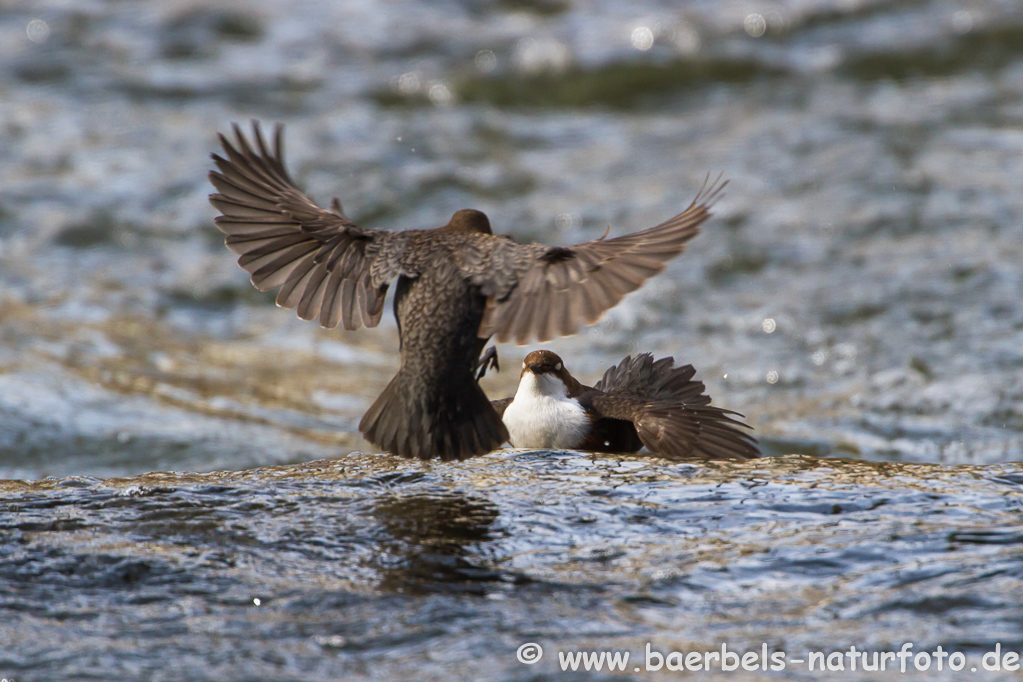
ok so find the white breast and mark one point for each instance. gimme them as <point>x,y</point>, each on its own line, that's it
<point>542,416</point>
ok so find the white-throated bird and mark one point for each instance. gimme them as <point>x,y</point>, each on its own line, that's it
<point>638,402</point>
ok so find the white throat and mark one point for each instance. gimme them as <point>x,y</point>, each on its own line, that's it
<point>543,416</point>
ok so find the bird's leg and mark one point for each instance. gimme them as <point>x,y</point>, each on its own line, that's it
<point>487,360</point>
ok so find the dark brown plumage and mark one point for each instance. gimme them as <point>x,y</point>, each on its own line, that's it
<point>638,402</point>
<point>457,286</point>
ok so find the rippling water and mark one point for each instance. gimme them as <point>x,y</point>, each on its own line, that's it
<point>856,296</point>
<point>374,566</point>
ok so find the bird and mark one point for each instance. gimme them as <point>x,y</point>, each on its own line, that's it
<point>457,286</point>
<point>640,401</point>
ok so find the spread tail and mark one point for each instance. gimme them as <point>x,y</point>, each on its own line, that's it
<point>654,380</point>
<point>449,421</point>
<point>671,412</point>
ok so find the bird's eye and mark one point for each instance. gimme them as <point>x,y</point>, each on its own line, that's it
<point>557,367</point>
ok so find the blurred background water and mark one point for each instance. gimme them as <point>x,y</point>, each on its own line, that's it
<point>857,295</point>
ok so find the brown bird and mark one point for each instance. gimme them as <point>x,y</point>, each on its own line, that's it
<point>638,402</point>
<point>458,285</point>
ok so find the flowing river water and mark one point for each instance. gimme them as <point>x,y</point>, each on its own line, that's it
<point>856,296</point>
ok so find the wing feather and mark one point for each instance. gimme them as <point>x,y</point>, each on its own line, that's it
<point>517,278</point>
<point>284,239</point>
<point>679,431</point>
<point>312,300</point>
<point>333,309</point>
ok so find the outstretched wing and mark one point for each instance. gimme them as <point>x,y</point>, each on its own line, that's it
<point>676,430</point>
<point>544,292</point>
<point>325,265</point>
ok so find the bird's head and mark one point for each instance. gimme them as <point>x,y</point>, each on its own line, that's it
<point>543,362</point>
<point>544,372</point>
<point>469,220</point>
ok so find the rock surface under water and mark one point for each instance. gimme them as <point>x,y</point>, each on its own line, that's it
<point>375,567</point>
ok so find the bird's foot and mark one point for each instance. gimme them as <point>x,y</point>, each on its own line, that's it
<point>487,360</point>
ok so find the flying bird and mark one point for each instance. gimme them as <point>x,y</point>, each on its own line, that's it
<point>457,285</point>
<point>638,402</point>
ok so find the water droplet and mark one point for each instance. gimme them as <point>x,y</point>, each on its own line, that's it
<point>256,601</point>
<point>440,94</point>
<point>38,31</point>
<point>725,376</point>
<point>846,351</point>
<point>563,221</point>
<point>962,22</point>
<point>769,325</point>
<point>409,83</point>
<point>772,377</point>
<point>755,25</point>
<point>532,55</point>
<point>819,357</point>
<point>332,641</point>
<point>486,61</point>
<point>642,38</point>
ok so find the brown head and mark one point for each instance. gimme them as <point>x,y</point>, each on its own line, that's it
<point>541,362</point>
<point>469,220</point>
